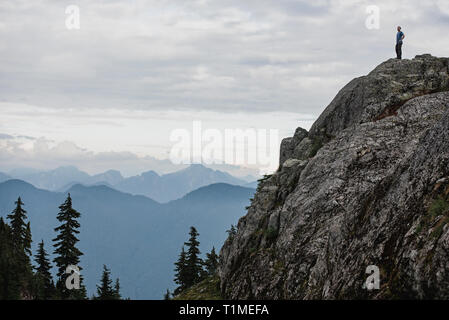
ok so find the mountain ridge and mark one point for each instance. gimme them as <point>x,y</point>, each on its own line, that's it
<point>368,185</point>
<point>119,228</point>
<point>175,185</point>
<point>162,188</point>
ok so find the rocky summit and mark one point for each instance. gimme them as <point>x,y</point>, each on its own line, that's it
<point>368,185</point>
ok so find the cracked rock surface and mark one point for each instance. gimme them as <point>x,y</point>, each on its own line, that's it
<point>368,185</point>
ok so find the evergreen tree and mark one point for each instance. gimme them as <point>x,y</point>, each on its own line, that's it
<point>10,266</point>
<point>45,285</point>
<point>27,240</point>
<point>66,252</point>
<point>118,295</point>
<point>167,295</point>
<point>18,225</point>
<point>21,250</point>
<point>232,232</point>
<point>193,262</point>
<point>211,262</point>
<point>105,291</point>
<point>180,272</point>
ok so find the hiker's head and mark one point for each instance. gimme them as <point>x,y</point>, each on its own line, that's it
<point>399,28</point>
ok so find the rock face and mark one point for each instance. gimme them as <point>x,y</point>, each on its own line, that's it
<point>367,186</point>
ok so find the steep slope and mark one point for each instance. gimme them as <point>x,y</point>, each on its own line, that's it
<point>368,185</point>
<point>138,238</point>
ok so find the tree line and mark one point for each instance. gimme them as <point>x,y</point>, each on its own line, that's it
<point>190,269</point>
<point>21,279</point>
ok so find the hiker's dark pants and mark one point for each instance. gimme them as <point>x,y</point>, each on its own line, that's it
<point>399,50</point>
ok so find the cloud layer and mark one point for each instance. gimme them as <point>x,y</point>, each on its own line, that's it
<point>220,55</point>
<point>192,57</point>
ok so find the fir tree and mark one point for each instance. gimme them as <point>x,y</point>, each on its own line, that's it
<point>180,272</point>
<point>45,285</point>
<point>105,291</point>
<point>18,225</point>
<point>118,295</point>
<point>10,266</point>
<point>211,262</point>
<point>27,240</point>
<point>167,295</point>
<point>232,232</point>
<point>20,235</point>
<point>66,252</point>
<point>193,262</point>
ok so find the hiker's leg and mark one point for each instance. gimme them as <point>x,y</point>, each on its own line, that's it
<point>397,51</point>
<point>400,51</point>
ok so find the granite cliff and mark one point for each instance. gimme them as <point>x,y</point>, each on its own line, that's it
<point>367,185</point>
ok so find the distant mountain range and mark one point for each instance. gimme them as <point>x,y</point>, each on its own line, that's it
<point>137,237</point>
<point>175,185</point>
<point>161,188</point>
<point>4,177</point>
<point>62,178</point>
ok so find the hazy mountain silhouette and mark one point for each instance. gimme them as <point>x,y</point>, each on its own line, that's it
<point>162,188</point>
<point>252,184</point>
<point>52,180</point>
<point>4,177</point>
<point>175,185</point>
<point>137,237</point>
<point>108,178</point>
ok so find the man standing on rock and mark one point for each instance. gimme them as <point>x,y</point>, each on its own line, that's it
<point>399,37</point>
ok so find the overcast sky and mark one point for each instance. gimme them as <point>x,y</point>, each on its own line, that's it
<point>137,70</point>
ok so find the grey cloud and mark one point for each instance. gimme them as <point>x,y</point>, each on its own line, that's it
<point>43,156</point>
<point>204,55</point>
